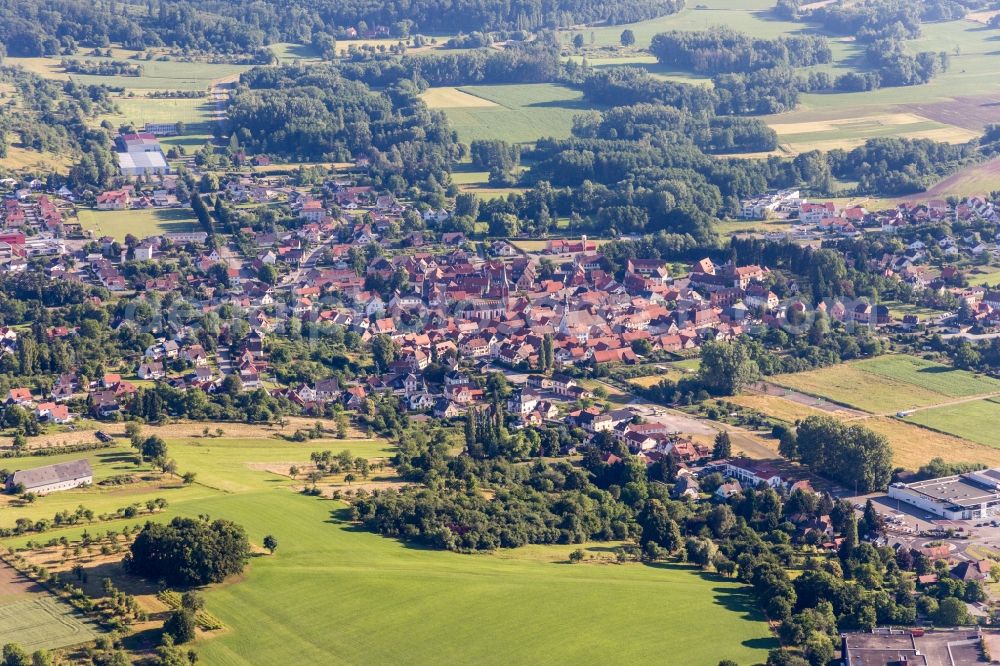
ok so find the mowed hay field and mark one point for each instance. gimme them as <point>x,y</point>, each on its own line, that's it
<point>454,98</point>
<point>36,619</point>
<point>888,384</point>
<point>156,75</point>
<point>139,223</point>
<point>804,130</point>
<point>976,420</point>
<point>518,113</point>
<point>19,158</point>
<point>333,593</point>
<point>912,445</point>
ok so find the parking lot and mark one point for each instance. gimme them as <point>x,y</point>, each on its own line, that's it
<point>915,528</point>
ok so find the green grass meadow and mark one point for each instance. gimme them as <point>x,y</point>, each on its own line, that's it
<point>336,594</point>
<point>753,16</point>
<point>524,112</point>
<point>890,383</point>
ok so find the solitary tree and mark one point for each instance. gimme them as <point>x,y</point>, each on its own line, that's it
<point>180,625</point>
<point>628,37</point>
<point>153,447</point>
<point>192,601</point>
<point>271,543</point>
<point>578,41</point>
<point>723,446</point>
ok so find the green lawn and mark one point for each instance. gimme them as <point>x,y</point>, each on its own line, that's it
<point>889,383</point>
<point>139,223</point>
<point>989,275</point>
<point>970,420</point>
<point>730,227</point>
<point>900,310</point>
<point>336,594</point>
<point>524,112</point>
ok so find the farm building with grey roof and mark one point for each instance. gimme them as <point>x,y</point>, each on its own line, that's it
<point>52,478</point>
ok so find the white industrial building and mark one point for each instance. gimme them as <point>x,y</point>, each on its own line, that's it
<point>142,163</point>
<point>961,497</point>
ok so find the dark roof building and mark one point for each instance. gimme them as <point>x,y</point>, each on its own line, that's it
<point>61,476</point>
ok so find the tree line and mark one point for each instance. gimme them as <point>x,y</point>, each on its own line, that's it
<point>50,27</point>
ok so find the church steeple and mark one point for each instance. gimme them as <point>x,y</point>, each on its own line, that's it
<point>564,322</point>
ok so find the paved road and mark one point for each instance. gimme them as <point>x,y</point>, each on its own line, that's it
<point>309,260</point>
<point>678,421</point>
<point>971,336</point>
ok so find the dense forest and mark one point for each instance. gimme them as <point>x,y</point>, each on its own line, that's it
<point>725,50</point>
<point>314,113</point>
<point>520,63</point>
<point>49,27</point>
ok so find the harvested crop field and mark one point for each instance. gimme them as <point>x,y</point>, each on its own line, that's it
<point>981,17</point>
<point>837,124</point>
<point>29,615</point>
<point>973,179</point>
<point>453,98</point>
<point>972,113</point>
<point>825,127</point>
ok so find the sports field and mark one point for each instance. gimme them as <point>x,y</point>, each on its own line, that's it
<point>333,593</point>
<point>976,420</point>
<point>141,110</point>
<point>518,113</point>
<point>29,615</point>
<point>888,384</point>
<point>139,223</point>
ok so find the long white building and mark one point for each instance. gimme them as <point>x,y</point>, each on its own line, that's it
<point>51,478</point>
